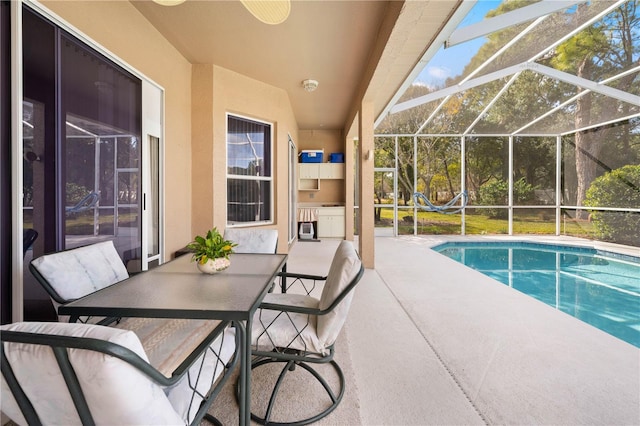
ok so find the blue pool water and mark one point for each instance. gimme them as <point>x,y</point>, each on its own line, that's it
<point>599,288</point>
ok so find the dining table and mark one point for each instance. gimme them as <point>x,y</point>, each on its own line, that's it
<point>177,289</point>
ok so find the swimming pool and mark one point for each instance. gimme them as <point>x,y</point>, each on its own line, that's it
<point>600,288</point>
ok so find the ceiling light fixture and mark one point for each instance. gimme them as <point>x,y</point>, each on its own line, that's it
<point>169,2</point>
<point>272,12</point>
<point>310,85</point>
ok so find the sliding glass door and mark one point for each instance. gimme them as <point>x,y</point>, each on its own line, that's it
<point>82,133</point>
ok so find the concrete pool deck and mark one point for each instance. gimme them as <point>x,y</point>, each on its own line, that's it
<point>434,342</point>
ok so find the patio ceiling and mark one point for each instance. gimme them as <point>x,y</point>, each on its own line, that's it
<point>517,53</point>
<point>353,48</point>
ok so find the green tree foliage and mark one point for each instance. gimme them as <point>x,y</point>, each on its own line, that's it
<point>604,49</point>
<point>75,193</point>
<point>618,188</point>
<point>607,47</point>
<point>496,193</point>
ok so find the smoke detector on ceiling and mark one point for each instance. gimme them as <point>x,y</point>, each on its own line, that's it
<point>310,85</point>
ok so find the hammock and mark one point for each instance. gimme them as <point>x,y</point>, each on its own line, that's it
<point>448,208</point>
<point>88,202</point>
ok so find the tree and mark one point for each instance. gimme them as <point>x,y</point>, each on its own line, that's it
<point>618,188</point>
<point>611,44</point>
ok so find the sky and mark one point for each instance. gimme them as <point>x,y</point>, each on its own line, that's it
<point>450,62</point>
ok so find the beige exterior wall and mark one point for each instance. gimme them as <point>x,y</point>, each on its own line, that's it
<point>120,28</point>
<point>217,92</point>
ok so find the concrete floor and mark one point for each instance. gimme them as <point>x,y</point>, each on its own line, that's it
<point>434,342</point>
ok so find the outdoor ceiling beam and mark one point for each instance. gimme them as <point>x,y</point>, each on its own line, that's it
<point>540,69</point>
<point>600,124</point>
<point>452,90</point>
<point>574,98</point>
<point>506,20</point>
<point>585,84</point>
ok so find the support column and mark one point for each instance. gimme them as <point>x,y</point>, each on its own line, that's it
<point>203,208</point>
<point>366,220</point>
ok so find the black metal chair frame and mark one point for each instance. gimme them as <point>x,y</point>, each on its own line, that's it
<point>293,357</point>
<point>29,237</point>
<point>61,344</point>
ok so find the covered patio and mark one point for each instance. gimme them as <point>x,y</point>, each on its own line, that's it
<point>429,341</point>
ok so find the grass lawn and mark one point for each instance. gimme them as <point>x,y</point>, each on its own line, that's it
<point>537,222</point>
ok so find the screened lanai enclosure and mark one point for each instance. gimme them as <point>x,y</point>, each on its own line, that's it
<point>532,110</point>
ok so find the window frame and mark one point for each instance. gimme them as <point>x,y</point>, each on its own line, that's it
<point>269,179</point>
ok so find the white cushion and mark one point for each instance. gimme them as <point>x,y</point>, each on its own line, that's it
<point>83,270</point>
<point>167,343</point>
<point>251,240</point>
<point>286,330</point>
<point>209,367</point>
<point>116,392</point>
<point>344,268</point>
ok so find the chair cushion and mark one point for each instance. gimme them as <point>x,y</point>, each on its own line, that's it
<point>286,330</point>
<point>344,268</point>
<point>168,342</point>
<point>107,382</point>
<point>207,369</point>
<point>251,240</point>
<point>78,272</point>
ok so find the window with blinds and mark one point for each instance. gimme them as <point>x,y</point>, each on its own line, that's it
<point>249,178</point>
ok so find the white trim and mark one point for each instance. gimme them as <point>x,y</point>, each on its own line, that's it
<point>269,179</point>
<point>292,190</point>
<point>17,261</point>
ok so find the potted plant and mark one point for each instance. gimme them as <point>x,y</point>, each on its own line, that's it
<point>211,252</point>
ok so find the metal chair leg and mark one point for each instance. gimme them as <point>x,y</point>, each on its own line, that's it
<point>288,366</point>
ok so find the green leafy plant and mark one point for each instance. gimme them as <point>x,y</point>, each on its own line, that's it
<point>211,246</point>
<point>497,193</point>
<point>617,188</point>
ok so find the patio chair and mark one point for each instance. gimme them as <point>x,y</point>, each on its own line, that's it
<point>251,240</point>
<point>297,330</point>
<point>71,274</point>
<point>72,374</point>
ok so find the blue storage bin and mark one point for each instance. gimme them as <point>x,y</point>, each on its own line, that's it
<point>336,157</point>
<point>311,156</point>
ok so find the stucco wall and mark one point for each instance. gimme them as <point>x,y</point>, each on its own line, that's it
<point>216,92</point>
<point>120,28</point>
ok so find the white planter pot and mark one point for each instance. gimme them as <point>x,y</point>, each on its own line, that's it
<point>214,265</point>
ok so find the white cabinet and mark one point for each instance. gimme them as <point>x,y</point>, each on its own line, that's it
<point>308,179</point>
<point>331,222</point>
<point>321,171</point>
<point>309,170</point>
<point>331,171</point>
<point>309,174</point>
